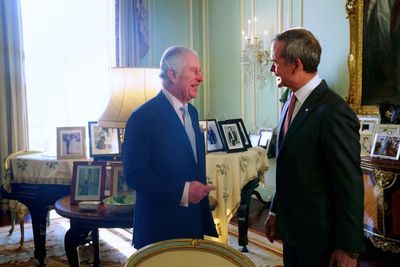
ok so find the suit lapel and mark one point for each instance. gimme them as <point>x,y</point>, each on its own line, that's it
<point>305,110</point>
<point>172,119</point>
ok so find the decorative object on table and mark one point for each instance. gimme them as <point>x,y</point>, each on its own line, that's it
<point>366,141</point>
<point>386,146</point>
<point>390,113</point>
<point>88,181</point>
<point>104,142</point>
<point>89,205</point>
<point>368,123</point>
<point>119,187</point>
<point>214,140</point>
<point>243,131</point>
<point>232,136</point>
<point>131,87</point>
<point>254,139</point>
<point>124,203</point>
<point>266,137</point>
<point>203,129</point>
<point>71,143</point>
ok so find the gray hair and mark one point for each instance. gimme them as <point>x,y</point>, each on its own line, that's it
<point>172,59</point>
<point>300,43</point>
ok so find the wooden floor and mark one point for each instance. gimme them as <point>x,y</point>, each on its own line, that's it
<point>257,215</point>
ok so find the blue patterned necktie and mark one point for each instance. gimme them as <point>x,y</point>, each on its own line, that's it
<point>187,122</point>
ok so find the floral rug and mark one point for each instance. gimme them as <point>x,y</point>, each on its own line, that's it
<point>115,247</point>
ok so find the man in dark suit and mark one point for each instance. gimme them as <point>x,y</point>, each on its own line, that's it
<point>317,209</point>
<point>164,163</point>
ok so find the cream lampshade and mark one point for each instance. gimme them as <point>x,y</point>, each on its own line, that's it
<point>131,87</point>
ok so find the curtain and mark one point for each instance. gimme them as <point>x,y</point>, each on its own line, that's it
<point>132,31</point>
<point>13,106</point>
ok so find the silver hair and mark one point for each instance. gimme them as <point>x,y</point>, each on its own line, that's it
<point>172,59</point>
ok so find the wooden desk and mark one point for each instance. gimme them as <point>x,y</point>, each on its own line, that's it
<point>382,202</point>
<point>84,223</point>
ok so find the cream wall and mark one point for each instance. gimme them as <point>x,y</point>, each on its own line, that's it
<point>213,28</point>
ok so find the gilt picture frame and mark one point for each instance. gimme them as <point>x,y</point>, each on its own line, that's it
<point>119,187</point>
<point>88,181</point>
<point>71,143</point>
<point>370,87</point>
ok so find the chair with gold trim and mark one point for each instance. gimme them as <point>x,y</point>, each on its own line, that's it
<point>16,208</point>
<point>188,252</point>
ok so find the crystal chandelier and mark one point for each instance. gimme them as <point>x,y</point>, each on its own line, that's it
<point>255,56</point>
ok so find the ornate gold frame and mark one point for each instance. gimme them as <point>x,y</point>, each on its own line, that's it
<point>354,9</point>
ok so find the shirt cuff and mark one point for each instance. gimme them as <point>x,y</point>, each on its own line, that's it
<point>185,195</point>
<point>272,213</point>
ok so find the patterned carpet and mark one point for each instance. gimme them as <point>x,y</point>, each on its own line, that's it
<point>115,247</point>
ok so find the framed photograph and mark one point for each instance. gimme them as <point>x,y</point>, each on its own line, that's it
<point>88,181</point>
<point>386,146</point>
<point>389,129</point>
<point>71,143</point>
<point>242,128</point>
<point>232,136</point>
<point>366,140</point>
<point>265,138</point>
<point>214,139</point>
<point>119,187</point>
<point>254,139</point>
<point>368,123</point>
<point>104,143</point>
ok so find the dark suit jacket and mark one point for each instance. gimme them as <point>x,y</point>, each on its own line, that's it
<point>158,160</point>
<point>319,186</point>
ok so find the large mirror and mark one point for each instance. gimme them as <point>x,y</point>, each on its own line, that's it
<point>374,60</point>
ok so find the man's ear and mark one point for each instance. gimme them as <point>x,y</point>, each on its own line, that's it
<point>172,75</point>
<point>298,65</point>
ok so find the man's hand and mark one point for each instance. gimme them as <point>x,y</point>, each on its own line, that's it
<point>270,228</point>
<point>197,191</point>
<point>340,258</point>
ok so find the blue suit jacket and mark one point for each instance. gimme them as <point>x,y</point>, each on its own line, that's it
<point>158,160</point>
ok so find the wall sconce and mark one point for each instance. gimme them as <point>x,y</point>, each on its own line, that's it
<point>131,87</point>
<point>255,56</point>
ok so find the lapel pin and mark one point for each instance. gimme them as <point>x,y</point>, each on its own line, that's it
<point>306,109</point>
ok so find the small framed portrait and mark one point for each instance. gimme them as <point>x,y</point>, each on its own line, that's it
<point>71,143</point>
<point>104,143</point>
<point>119,187</point>
<point>232,136</point>
<point>366,140</point>
<point>243,131</point>
<point>368,123</point>
<point>265,138</point>
<point>386,146</point>
<point>254,139</point>
<point>88,181</point>
<point>389,129</point>
<point>214,139</point>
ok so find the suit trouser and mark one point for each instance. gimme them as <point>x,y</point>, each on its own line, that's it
<point>294,256</point>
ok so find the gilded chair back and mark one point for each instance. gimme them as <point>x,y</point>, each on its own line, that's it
<point>188,252</point>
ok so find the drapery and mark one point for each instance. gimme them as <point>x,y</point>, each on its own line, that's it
<point>13,105</point>
<point>132,31</point>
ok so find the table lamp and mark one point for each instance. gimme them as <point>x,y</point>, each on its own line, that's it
<point>131,87</point>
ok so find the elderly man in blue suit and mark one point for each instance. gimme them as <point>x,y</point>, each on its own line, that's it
<point>164,157</point>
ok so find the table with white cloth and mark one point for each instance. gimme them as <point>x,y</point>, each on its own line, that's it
<point>231,173</point>
<point>38,180</point>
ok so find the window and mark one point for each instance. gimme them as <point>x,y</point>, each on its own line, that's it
<point>69,48</point>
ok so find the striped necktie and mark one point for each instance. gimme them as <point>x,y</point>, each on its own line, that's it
<point>187,122</point>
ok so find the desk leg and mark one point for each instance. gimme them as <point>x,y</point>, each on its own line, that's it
<point>96,252</point>
<point>73,238</point>
<point>39,216</point>
<point>243,213</point>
